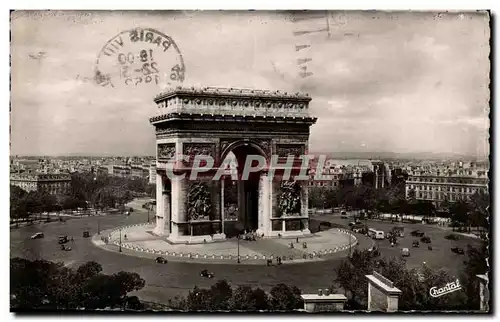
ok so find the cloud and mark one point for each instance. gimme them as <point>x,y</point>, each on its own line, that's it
<point>390,81</point>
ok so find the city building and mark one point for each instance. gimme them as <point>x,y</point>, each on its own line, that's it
<point>450,184</point>
<point>152,173</point>
<point>50,183</point>
<point>122,171</point>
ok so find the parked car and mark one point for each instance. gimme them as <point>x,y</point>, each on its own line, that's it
<point>360,229</point>
<point>343,215</point>
<point>398,231</point>
<point>417,233</point>
<point>65,248</point>
<point>86,234</point>
<point>457,250</point>
<point>425,239</point>
<point>405,252</point>
<point>206,273</point>
<point>352,223</point>
<point>415,243</point>
<point>37,236</point>
<point>161,260</point>
<point>374,251</point>
<point>63,239</point>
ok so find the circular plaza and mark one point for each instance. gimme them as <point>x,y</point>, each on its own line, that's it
<point>140,240</point>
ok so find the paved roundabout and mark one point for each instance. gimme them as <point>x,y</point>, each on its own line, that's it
<point>165,281</point>
<point>138,240</point>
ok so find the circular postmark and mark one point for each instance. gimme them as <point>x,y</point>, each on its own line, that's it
<point>139,57</point>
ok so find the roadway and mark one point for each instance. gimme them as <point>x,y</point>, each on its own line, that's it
<point>165,281</point>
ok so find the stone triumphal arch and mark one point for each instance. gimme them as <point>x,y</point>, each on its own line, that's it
<point>229,123</point>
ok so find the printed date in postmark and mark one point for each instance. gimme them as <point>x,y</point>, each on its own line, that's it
<point>140,57</point>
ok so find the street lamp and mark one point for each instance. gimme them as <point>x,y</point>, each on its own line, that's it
<point>120,245</point>
<point>149,208</point>
<point>238,237</point>
<point>350,245</point>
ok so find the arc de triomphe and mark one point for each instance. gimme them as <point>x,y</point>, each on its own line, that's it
<point>235,123</point>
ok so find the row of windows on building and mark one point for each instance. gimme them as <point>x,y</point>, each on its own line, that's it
<point>446,188</point>
<point>52,187</point>
<point>441,196</point>
<point>446,180</point>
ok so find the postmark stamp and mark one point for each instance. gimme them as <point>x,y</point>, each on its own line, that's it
<point>139,57</point>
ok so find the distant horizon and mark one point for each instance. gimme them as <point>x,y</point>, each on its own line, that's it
<point>334,154</point>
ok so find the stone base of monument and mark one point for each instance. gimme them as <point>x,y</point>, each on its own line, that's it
<point>202,239</point>
<point>290,234</point>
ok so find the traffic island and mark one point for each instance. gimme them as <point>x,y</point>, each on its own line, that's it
<point>137,240</point>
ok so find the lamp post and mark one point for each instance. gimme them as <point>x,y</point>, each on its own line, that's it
<point>238,249</point>
<point>149,208</point>
<point>120,245</point>
<point>349,245</point>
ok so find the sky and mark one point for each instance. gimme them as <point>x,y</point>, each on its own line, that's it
<point>402,82</point>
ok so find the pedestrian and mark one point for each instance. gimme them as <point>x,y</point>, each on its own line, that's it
<point>297,240</point>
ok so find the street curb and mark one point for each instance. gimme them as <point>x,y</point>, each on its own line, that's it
<point>132,250</point>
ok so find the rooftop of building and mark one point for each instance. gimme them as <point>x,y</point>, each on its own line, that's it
<point>231,92</point>
<point>40,176</point>
<point>231,102</point>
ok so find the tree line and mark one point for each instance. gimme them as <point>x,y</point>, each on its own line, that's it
<point>88,190</point>
<point>45,285</point>
<point>223,297</point>
<point>471,212</point>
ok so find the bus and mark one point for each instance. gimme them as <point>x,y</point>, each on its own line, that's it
<point>376,234</point>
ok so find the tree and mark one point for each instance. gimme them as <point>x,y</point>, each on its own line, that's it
<point>285,298</point>
<point>221,294</point>
<point>18,207</point>
<point>460,212</point>
<point>479,206</point>
<point>48,285</point>
<point>250,300</point>
<point>351,277</point>
<point>198,300</point>
<point>88,270</point>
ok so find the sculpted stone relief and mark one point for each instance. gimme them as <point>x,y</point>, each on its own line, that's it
<point>284,150</point>
<point>166,151</point>
<point>192,149</point>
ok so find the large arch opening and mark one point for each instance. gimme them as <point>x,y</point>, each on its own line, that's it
<point>241,196</point>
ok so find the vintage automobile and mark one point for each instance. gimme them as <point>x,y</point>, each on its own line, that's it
<point>65,248</point>
<point>415,243</point>
<point>457,250</point>
<point>206,273</point>
<point>405,252</point>
<point>86,234</point>
<point>417,233</point>
<point>63,239</point>
<point>398,231</point>
<point>374,252</point>
<point>425,239</point>
<point>37,235</point>
<point>344,215</point>
<point>161,260</point>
